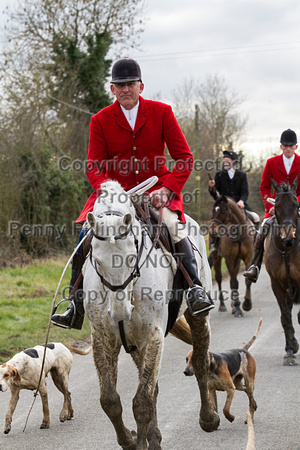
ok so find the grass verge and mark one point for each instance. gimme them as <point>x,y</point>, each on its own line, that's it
<point>25,305</point>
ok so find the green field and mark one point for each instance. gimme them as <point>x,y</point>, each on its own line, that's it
<point>25,304</point>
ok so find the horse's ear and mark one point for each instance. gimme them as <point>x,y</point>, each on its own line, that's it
<point>91,219</point>
<point>295,183</point>
<point>127,219</point>
<point>275,185</point>
<point>224,198</point>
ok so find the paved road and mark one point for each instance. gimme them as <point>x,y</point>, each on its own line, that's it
<point>277,394</point>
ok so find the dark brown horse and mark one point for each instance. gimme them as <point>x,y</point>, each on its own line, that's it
<point>282,256</point>
<point>236,234</point>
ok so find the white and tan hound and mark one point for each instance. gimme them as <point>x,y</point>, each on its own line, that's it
<point>23,372</point>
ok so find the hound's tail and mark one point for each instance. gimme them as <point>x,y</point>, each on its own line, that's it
<point>182,331</point>
<point>81,352</point>
<point>247,346</point>
<point>251,435</point>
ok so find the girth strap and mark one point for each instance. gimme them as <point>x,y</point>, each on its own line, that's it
<point>127,349</point>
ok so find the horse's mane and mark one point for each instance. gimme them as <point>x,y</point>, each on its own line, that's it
<point>232,204</point>
<point>110,188</point>
<point>113,198</point>
<point>285,187</point>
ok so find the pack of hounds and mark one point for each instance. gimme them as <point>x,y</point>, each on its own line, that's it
<point>228,371</point>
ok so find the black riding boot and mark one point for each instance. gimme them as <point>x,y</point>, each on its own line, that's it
<point>198,300</point>
<point>253,271</point>
<point>73,317</point>
<point>214,245</point>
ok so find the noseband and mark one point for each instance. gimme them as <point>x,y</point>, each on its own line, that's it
<point>136,271</point>
<point>119,236</point>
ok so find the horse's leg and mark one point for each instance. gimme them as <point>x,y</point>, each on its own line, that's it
<point>234,287</point>
<point>218,275</point>
<point>144,402</point>
<point>247,303</point>
<point>154,436</point>
<point>106,361</point>
<point>209,419</point>
<point>285,304</point>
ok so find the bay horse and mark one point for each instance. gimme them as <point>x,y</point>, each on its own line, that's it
<point>282,256</point>
<point>127,285</point>
<point>237,234</point>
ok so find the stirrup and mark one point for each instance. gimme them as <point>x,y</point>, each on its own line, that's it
<point>205,300</point>
<point>251,276</point>
<point>66,327</point>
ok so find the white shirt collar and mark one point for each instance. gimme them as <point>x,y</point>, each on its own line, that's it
<point>231,173</point>
<point>288,162</point>
<point>131,114</point>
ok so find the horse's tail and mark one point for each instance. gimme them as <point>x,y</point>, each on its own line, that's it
<point>80,352</point>
<point>247,346</point>
<point>181,330</point>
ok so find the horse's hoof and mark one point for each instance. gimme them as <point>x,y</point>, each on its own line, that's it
<point>295,346</point>
<point>247,304</point>
<point>289,360</point>
<point>211,425</point>
<point>222,308</point>
<point>132,436</point>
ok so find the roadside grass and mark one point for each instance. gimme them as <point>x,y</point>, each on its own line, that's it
<point>25,305</point>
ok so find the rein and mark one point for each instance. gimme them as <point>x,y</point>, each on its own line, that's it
<point>136,271</point>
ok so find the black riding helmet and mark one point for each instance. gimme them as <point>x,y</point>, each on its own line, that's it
<point>125,70</point>
<point>288,137</point>
<point>230,154</point>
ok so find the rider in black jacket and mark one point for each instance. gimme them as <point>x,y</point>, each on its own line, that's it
<point>231,182</point>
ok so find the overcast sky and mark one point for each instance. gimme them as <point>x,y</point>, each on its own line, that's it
<point>254,45</point>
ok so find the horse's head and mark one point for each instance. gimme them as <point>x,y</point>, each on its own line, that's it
<point>220,214</point>
<point>114,248</point>
<point>286,210</point>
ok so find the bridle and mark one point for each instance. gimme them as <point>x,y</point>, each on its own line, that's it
<point>136,270</point>
<point>139,250</point>
<point>227,213</point>
<point>286,252</point>
<point>288,221</point>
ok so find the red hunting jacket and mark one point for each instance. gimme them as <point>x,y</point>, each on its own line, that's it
<point>117,152</point>
<point>275,168</point>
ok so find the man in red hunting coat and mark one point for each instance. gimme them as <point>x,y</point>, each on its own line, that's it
<point>127,144</point>
<point>282,168</point>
